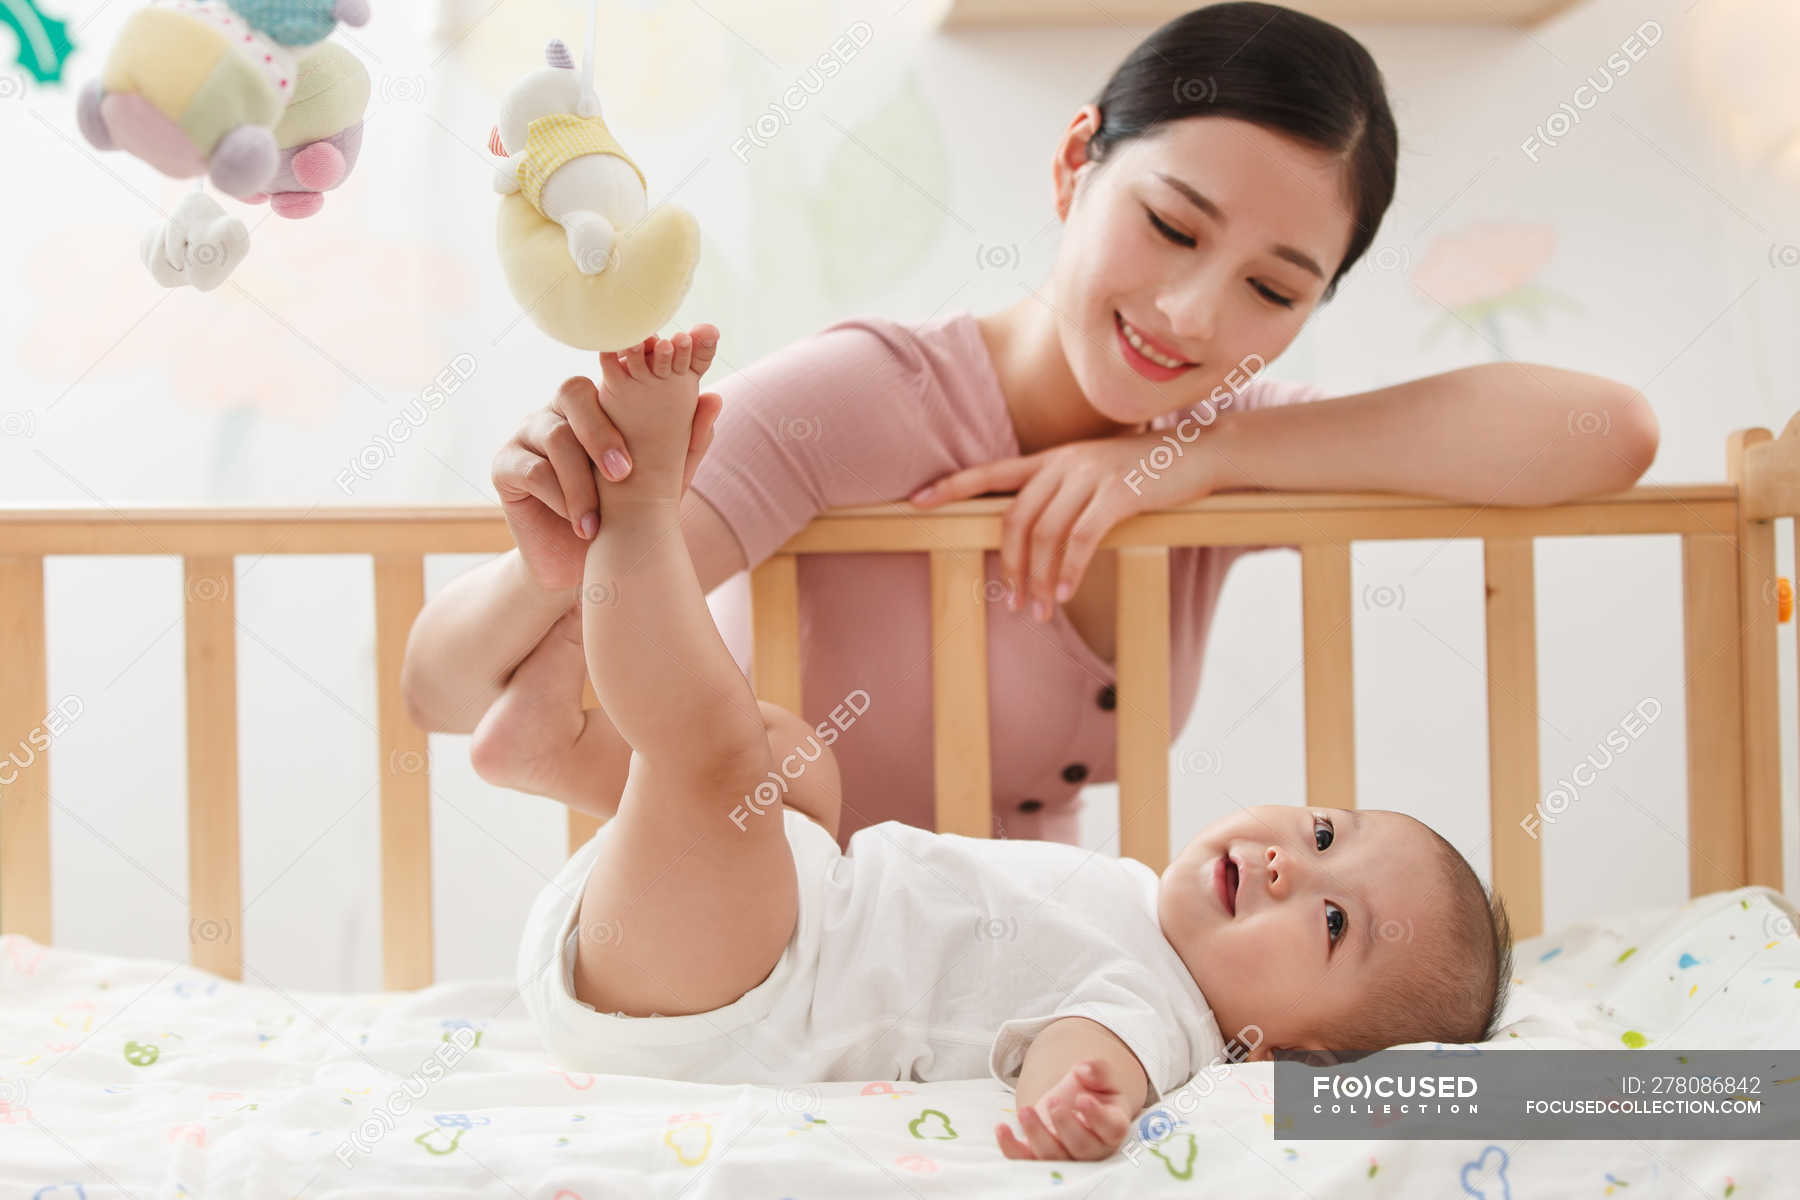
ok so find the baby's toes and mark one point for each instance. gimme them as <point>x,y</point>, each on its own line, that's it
<point>662,358</point>
<point>706,344</point>
<point>684,353</point>
<point>612,368</point>
<point>634,359</point>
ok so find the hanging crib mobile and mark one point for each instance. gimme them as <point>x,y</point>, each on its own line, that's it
<point>246,94</point>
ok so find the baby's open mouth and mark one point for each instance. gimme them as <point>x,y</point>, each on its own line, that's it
<point>1225,881</point>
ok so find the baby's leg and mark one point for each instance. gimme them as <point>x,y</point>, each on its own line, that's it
<point>537,738</point>
<point>685,909</point>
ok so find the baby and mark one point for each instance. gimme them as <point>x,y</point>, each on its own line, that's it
<point>712,930</point>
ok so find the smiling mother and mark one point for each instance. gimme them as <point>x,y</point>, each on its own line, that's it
<point>1226,178</point>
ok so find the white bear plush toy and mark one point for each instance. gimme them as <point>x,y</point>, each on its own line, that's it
<point>554,149</point>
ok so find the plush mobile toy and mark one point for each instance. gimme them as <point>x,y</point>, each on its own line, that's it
<point>579,253</point>
<point>320,134</point>
<point>201,88</point>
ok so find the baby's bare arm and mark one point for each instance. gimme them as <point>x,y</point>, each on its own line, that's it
<point>1079,1088</point>
<point>1064,1043</point>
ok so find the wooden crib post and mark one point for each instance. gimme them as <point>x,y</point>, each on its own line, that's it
<point>1142,713</point>
<point>775,631</point>
<point>1767,473</point>
<point>959,673</point>
<point>1330,675</point>
<point>24,791</point>
<point>407,952</point>
<point>1515,827</point>
<point>1714,696</point>
<point>215,879</point>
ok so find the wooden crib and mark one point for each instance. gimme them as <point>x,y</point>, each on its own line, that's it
<point>1729,592</point>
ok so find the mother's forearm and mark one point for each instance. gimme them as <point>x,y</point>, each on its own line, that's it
<point>1496,433</point>
<point>468,639</point>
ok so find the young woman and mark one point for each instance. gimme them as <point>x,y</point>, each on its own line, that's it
<point>1231,172</point>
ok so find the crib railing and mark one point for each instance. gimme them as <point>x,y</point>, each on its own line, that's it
<point>1729,591</point>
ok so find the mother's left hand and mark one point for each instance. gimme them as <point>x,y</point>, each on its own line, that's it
<point>1069,496</point>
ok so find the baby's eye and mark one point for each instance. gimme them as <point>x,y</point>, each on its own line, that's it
<point>1335,922</point>
<point>1322,832</point>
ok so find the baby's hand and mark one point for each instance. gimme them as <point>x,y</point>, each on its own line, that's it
<point>1084,1116</point>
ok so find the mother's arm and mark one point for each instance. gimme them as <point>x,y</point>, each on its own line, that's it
<point>498,657</point>
<point>1497,433</point>
<point>1510,434</point>
<point>475,631</point>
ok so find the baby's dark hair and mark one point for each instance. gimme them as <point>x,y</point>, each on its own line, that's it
<point>1456,975</point>
<point>1284,70</point>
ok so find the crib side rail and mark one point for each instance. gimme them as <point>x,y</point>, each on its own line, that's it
<point>1733,773</point>
<point>209,542</point>
<point>1732,765</point>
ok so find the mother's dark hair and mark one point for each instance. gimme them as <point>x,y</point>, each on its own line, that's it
<point>1273,67</point>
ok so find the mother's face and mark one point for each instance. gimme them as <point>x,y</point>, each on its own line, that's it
<point>1199,237</point>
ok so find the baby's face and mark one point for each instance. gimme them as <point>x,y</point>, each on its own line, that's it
<point>1285,915</point>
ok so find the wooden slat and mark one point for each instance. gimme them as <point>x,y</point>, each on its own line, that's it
<point>1515,826</point>
<point>1144,727</point>
<point>1759,674</point>
<point>24,791</point>
<point>407,953</point>
<point>1330,675</point>
<point>1712,662</point>
<point>215,880</point>
<point>959,686</point>
<point>775,631</point>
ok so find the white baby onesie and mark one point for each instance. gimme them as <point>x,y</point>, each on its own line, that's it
<point>916,956</point>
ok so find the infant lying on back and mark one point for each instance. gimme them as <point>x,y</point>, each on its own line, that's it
<point>712,930</point>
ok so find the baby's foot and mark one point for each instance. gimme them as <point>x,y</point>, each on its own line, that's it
<point>649,393</point>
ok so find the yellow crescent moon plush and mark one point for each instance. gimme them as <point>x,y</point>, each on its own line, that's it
<point>581,255</point>
<point>652,266</point>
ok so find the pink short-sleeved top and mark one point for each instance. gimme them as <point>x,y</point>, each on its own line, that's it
<point>866,411</point>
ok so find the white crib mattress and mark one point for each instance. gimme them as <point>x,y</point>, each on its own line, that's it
<point>122,1076</point>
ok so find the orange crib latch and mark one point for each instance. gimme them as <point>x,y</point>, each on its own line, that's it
<point>1784,599</point>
